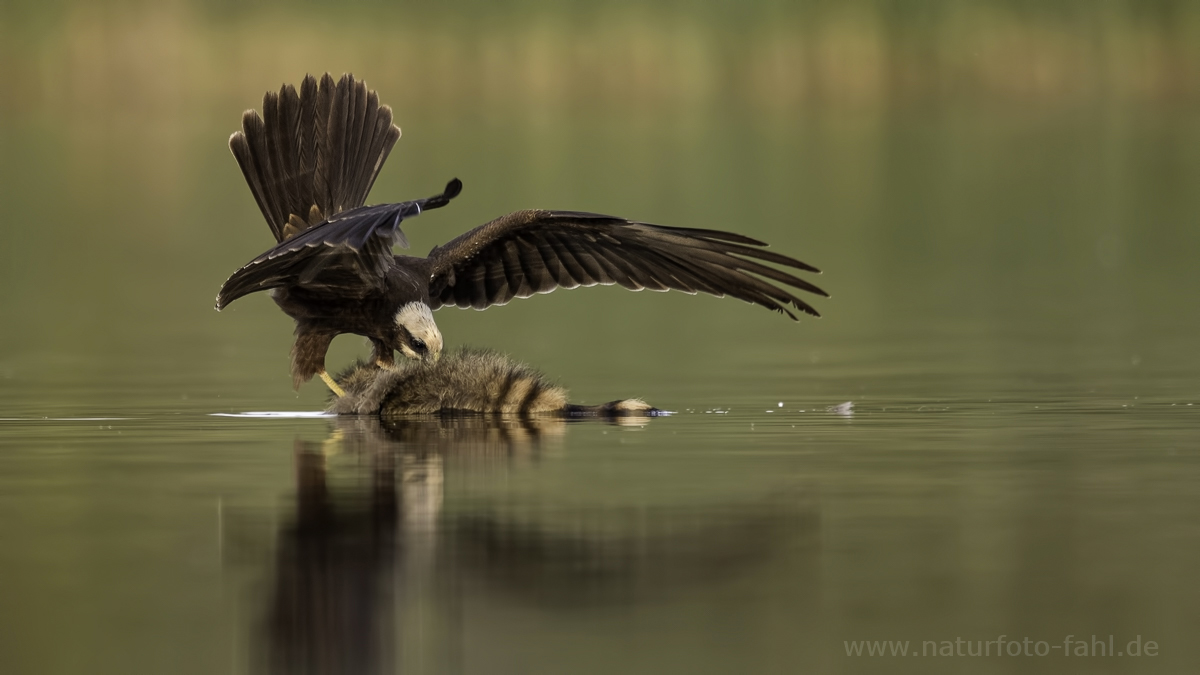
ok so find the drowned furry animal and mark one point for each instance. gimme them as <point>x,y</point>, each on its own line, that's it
<point>464,381</point>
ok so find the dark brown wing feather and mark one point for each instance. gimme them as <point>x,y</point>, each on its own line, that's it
<point>345,257</point>
<point>312,155</point>
<point>530,252</point>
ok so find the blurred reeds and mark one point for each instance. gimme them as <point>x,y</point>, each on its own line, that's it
<point>138,61</point>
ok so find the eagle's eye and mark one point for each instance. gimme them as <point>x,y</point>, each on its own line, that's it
<point>418,344</point>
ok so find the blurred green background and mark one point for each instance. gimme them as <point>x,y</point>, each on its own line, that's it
<point>961,169</point>
<point>1002,194</point>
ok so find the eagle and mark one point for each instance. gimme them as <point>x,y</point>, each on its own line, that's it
<point>312,156</point>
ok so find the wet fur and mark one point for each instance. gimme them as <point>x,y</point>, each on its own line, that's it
<point>464,381</point>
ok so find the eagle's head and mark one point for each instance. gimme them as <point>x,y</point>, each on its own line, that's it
<point>418,336</point>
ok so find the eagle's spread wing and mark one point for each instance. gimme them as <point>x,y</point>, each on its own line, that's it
<point>346,257</point>
<point>529,252</point>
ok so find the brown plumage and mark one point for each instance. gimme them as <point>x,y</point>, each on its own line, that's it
<point>310,160</point>
<point>465,381</point>
<point>306,159</point>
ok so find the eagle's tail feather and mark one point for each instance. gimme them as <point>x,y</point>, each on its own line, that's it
<point>313,154</point>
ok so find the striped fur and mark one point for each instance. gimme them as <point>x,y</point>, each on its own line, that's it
<point>466,380</point>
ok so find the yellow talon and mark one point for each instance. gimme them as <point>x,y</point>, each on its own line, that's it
<point>333,386</point>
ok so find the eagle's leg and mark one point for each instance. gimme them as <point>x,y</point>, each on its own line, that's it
<point>381,354</point>
<point>308,357</point>
<point>333,386</point>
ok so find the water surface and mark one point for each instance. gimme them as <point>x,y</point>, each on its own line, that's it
<point>1012,320</point>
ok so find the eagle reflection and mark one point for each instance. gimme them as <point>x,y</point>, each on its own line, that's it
<point>372,576</point>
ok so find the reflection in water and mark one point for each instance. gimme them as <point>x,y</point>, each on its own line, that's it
<point>371,578</point>
<point>649,556</point>
<point>332,578</point>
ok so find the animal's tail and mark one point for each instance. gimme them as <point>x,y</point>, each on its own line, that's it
<point>630,407</point>
<point>315,154</point>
